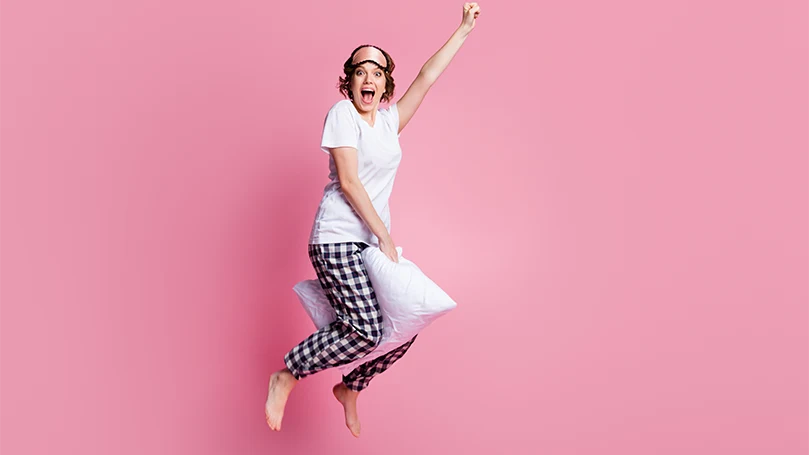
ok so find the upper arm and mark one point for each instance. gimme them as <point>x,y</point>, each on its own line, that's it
<point>411,100</point>
<point>345,160</point>
<point>340,128</point>
<point>340,139</point>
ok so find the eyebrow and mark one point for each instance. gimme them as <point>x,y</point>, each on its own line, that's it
<point>376,66</point>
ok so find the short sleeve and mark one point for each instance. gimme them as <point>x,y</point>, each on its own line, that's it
<point>340,128</point>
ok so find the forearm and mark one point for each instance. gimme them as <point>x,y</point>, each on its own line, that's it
<point>358,198</point>
<point>436,65</point>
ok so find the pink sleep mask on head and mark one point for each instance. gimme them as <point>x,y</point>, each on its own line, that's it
<point>370,54</point>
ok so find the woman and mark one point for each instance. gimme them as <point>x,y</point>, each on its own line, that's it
<point>363,142</point>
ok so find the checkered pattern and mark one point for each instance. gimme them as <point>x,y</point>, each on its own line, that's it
<point>358,328</point>
<point>360,377</point>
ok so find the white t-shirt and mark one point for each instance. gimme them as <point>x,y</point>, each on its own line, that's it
<point>378,158</point>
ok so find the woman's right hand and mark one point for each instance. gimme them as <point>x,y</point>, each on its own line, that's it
<point>389,248</point>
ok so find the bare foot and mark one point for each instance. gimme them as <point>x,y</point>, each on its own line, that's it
<point>281,383</point>
<point>348,398</point>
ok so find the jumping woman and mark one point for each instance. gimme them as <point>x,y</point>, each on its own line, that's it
<point>363,143</point>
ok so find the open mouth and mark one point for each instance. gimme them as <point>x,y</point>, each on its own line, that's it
<point>367,95</point>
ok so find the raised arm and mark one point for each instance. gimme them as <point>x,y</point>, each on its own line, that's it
<point>411,100</point>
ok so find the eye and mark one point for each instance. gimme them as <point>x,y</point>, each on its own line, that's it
<point>378,74</point>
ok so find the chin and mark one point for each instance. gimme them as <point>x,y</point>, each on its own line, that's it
<point>372,105</point>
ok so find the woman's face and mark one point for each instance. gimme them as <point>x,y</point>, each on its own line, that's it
<point>368,85</point>
<point>368,80</point>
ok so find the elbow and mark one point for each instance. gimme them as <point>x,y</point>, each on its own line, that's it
<point>428,77</point>
<point>348,184</point>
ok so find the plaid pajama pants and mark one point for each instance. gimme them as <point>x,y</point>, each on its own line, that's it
<point>358,327</point>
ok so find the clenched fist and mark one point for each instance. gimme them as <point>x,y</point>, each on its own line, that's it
<point>471,11</point>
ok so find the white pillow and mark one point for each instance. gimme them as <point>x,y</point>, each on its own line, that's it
<point>408,299</point>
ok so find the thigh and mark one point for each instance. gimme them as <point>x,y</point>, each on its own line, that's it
<point>344,279</point>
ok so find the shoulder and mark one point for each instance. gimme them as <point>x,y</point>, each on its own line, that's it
<point>391,115</point>
<point>342,112</point>
<point>392,109</point>
<point>342,106</point>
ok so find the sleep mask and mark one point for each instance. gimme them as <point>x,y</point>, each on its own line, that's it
<point>370,53</point>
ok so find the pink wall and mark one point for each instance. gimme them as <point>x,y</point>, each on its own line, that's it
<point>614,192</point>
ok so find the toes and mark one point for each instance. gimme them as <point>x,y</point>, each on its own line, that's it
<point>273,423</point>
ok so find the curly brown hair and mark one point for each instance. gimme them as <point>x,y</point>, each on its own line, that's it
<point>348,69</point>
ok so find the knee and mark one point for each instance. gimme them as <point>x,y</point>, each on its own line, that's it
<point>377,339</point>
<point>366,338</point>
<point>373,340</point>
<point>373,333</point>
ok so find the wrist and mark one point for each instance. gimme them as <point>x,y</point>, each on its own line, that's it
<point>464,30</point>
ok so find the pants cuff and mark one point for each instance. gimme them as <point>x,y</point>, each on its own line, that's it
<point>291,367</point>
<point>355,385</point>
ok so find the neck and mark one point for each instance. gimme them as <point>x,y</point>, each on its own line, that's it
<point>369,115</point>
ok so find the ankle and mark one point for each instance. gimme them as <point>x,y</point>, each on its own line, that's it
<point>286,376</point>
<point>351,392</point>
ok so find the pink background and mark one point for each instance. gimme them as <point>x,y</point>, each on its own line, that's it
<point>615,193</point>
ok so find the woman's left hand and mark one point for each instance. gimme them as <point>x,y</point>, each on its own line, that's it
<point>471,11</point>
